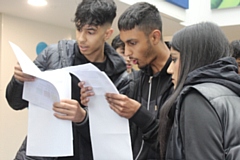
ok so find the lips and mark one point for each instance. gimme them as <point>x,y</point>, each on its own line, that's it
<point>83,48</point>
<point>134,61</point>
<point>129,65</point>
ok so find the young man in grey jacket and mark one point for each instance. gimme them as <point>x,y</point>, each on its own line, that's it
<point>93,20</point>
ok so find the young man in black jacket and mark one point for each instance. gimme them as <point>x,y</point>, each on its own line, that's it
<point>141,30</point>
<point>93,19</point>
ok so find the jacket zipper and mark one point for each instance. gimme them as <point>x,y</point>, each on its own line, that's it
<point>148,106</point>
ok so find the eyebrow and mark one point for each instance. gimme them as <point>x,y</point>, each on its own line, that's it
<point>91,28</point>
<point>129,40</point>
<point>172,53</point>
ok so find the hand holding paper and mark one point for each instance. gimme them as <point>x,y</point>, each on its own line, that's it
<point>69,110</point>
<point>22,77</point>
<point>26,64</point>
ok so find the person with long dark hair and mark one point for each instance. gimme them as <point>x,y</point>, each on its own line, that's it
<point>200,121</point>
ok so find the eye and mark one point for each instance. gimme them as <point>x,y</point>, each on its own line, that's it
<point>131,43</point>
<point>174,60</point>
<point>91,32</point>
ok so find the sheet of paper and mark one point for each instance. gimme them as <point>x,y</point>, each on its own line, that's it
<point>27,65</point>
<point>110,134</point>
<point>47,135</point>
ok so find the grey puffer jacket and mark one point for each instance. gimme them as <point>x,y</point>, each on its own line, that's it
<point>58,56</point>
<point>206,122</point>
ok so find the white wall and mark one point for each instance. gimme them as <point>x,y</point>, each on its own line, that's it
<point>26,34</point>
<point>199,10</point>
<point>1,90</point>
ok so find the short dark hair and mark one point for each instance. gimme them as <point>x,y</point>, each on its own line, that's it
<point>142,15</point>
<point>235,49</point>
<point>95,12</point>
<point>117,42</point>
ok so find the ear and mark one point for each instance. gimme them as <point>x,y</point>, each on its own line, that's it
<point>108,34</point>
<point>155,36</point>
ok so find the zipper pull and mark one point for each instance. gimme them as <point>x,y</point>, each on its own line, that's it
<point>150,79</point>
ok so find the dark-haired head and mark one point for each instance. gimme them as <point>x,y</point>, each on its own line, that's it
<point>235,48</point>
<point>95,12</point>
<point>235,52</point>
<point>144,16</point>
<point>117,42</point>
<point>199,45</point>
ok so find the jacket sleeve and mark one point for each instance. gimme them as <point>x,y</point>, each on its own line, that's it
<point>14,95</point>
<point>123,83</point>
<point>200,128</point>
<point>15,88</point>
<point>148,125</point>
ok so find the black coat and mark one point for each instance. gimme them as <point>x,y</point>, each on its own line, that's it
<point>151,91</point>
<point>206,122</point>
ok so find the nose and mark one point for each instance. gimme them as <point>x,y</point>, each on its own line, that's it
<point>81,37</point>
<point>127,51</point>
<point>170,68</point>
<point>127,59</point>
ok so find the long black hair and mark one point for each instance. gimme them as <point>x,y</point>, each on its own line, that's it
<point>199,45</point>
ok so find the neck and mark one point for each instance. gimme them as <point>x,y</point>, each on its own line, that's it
<point>97,56</point>
<point>129,70</point>
<point>160,60</point>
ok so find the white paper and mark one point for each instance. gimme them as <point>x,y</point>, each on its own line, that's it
<point>109,132</point>
<point>110,136</point>
<point>26,64</point>
<point>47,135</point>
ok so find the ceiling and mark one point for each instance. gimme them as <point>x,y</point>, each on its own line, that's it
<point>61,13</point>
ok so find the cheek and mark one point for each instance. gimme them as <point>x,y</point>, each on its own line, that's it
<point>140,51</point>
<point>176,69</point>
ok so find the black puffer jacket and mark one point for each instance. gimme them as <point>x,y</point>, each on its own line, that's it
<point>151,91</point>
<point>62,55</point>
<point>206,122</point>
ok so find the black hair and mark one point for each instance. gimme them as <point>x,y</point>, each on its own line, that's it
<point>144,16</point>
<point>199,45</point>
<point>117,42</point>
<point>95,12</point>
<point>235,49</point>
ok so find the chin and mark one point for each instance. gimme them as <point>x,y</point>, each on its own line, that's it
<point>142,66</point>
